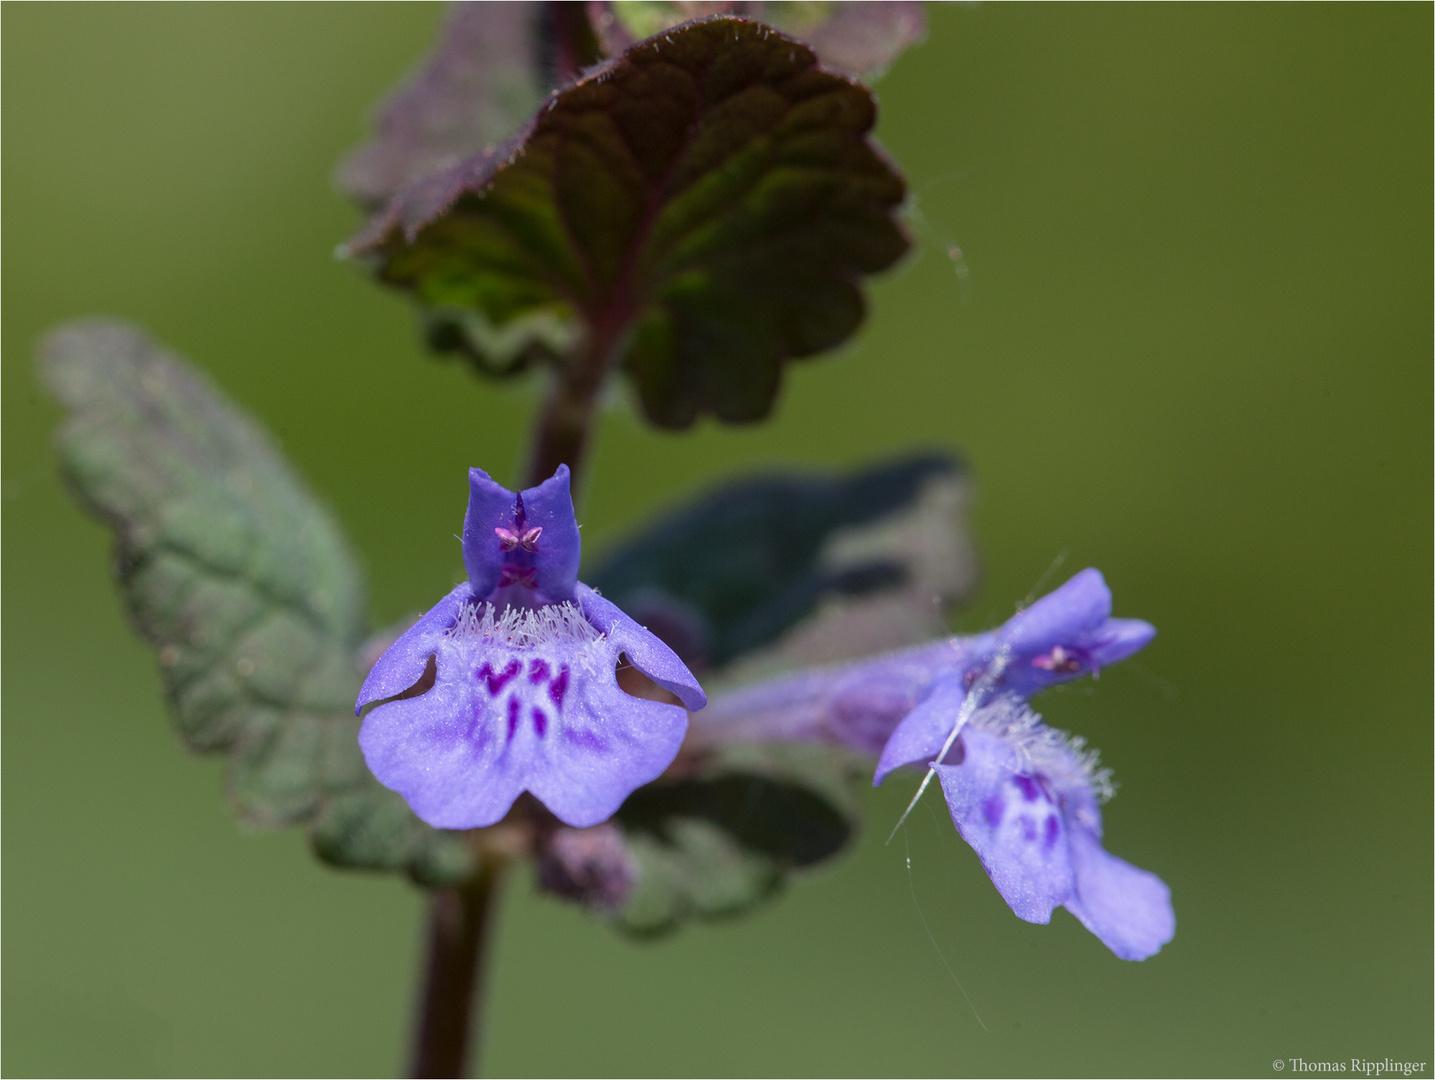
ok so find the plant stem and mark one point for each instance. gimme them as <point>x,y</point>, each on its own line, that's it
<point>565,420</point>
<point>564,425</point>
<point>451,1007</point>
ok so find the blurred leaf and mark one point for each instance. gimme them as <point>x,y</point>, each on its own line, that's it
<point>245,586</point>
<point>699,211</point>
<point>831,567</point>
<point>860,38</point>
<point>479,85</point>
<point>724,837</point>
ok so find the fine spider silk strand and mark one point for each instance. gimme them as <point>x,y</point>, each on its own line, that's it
<point>912,885</point>
<point>1061,557</point>
<point>973,699</point>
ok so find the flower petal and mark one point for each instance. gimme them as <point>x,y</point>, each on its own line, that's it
<point>549,506</point>
<point>606,744</point>
<point>645,651</point>
<point>1116,639</point>
<point>404,662</point>
<point>793,708</point>
<point>534,533</point>
<point>509,712</point>
<point>490,506</point>
<point>1081,604</point>
<point>1013,824</point>
<point>446,751</point>
<point>922,732</point>
<point>1128,908</point>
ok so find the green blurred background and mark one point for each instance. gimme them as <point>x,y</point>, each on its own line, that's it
<point>1188,339</point>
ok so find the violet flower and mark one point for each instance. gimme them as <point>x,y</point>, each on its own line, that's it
<point>1024,796</point>
<point>1064,635</point>
<point>509,683</point>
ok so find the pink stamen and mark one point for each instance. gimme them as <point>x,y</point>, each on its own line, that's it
<point>1058,660</point>
<point>527,540</point>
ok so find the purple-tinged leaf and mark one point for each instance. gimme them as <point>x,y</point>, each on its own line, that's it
<point>698,211</point>
<point>478,86</point>
<point>860,38</point>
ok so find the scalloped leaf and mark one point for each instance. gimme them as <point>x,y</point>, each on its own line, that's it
<point>492,64</point>
<point>698,212</point>
<point>245,586</point>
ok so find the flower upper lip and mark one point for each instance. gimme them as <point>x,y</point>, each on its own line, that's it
<point>527,538</point>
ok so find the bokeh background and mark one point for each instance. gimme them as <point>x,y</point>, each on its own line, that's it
<point>1187,338</point>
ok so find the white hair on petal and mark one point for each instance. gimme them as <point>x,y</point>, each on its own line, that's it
<point>1045,749</point>
<point>525,628</point>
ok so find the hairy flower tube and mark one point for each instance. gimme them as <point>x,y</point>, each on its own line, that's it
<point>509,683</point>
<point>1024,796</point>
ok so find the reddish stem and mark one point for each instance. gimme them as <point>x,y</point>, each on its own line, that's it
<point>459,920</point>
<point>565,421</point>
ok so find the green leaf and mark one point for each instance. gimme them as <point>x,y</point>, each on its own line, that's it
<point>244,584</point>
<point>820,568</point>
<point>726,836</point>
<point>698,211</point>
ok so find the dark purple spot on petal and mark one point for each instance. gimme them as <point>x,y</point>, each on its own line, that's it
<point>497,682</point>
<point>1030,790</point>
<point>538,671</point>
<point>1053,830</point>
<point>513,708</point>
<point>540,722</point>
<point>558,687</point>
<point>992,810</point>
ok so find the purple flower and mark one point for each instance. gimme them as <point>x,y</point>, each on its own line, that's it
<point>509,683</point>
<point>1026,797</point>
<point>1064,635</point>
<point>592,866</point>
